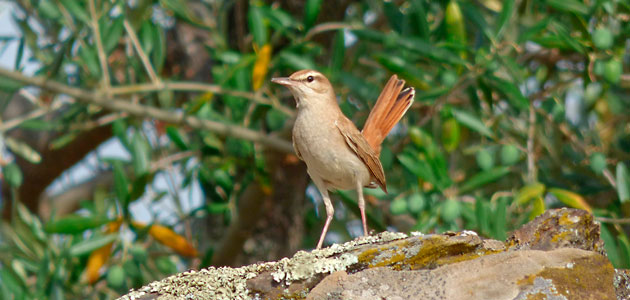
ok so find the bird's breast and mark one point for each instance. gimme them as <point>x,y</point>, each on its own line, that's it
<point>326,154</point>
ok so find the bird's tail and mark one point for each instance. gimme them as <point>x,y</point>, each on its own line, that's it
<point>390,106</point>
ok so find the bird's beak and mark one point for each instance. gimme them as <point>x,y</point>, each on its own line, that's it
<point>286,81</point>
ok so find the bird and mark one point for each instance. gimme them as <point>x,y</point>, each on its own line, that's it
<point>337,155</point>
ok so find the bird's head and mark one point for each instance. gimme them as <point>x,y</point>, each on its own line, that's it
<point>308,87</point>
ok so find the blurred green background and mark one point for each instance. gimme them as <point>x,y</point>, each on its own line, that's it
<point>142,138</point>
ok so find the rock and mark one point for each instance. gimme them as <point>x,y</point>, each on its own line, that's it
<point>559,255</point>
<point>558,274</point>
<point>559,228</point>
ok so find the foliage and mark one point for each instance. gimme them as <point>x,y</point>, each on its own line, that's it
<point>520,106</point>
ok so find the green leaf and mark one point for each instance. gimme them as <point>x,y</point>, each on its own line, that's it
<point>12,287</point>
<point>415,45</point>
<point>511,91</point>
<point>90,245</point>
<point>146,36</point>
<point>529,192</point>
<point>76,9</point>
<point>565,36</point>
<point>119,128</point>
<point>49,9</point>
<point>500,219</point>
<point>182,10</point>
<point>279,19</point>
<point>419,168</point>
<point>89,57</point>
<point>173,134</point>
<point>451,134</point>
<point>215,208</point>
<point>571,199</point>
<point>419,18</point>
<point>483,178</point>
<point>474,15</point>
<point>394,16</point>
<point>159,52</point>
<point>338,53</point>
<point>257,25</point>
<point>610,244</point>
<point>13,175</point>
<point>482,214</point>
<point>24,150</point>
<point>506,15</point>
<point>397,64</point>
<point>472,122</point>
<point>73,224</point>
<point>538,208</point>
<point>20,54</point>
<point>121,184</point>
<point>63,140</point>
<point>456,32</point>
<point>573,6</point>
<point>295,61</point>
<point>10,85</point>
<point>623,183</point>
<point>141,155</point>
<point>275,119</point>
<point>112,34</point>
<point>624,247</point>
<point>311,11</point>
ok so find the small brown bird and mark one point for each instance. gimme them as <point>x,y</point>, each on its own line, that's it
<point>336,153</point>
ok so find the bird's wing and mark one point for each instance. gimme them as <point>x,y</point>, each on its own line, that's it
<point>362,149</point>
<point>297,151</point>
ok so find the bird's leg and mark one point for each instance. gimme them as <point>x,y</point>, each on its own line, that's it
<point>330,210</point>
<point>362,207</point>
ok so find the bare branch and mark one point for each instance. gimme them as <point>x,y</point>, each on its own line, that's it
<point>200,87</point>
<point>102,57</point>
<point>143,56</point>
<point>152,112</point>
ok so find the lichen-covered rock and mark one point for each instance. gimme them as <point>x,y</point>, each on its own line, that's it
<point>559,228</point>
<point>556,256</point>
<point>529,274</point>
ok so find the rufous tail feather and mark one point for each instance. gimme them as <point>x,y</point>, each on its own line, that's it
<point>390,107</point>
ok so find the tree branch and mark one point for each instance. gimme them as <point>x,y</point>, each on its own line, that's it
<point>102,56</point>
<point>151,112</point>
<point>197,86</point>
<point>143,56</point>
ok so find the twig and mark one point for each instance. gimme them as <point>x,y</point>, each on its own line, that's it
<point>328,27</point>
<point>531,131</point>
<point>102,57</point>
<point>613,220</point>
<point>143,56</point>
<point>152,112</point>
<point>461,84</point>
<point>611,179</point>
<point>196,86</point>
<point>34,114</point>
<point>168,160</point>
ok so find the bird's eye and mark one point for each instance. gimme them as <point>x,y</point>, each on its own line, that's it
<point>310,79</point>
